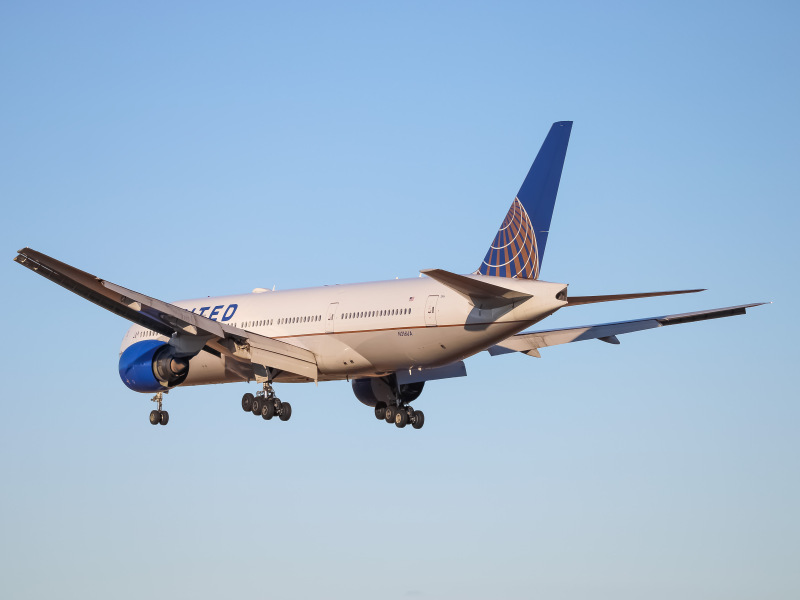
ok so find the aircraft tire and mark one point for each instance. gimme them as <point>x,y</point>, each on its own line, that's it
<point>247,402</point>
<point>155,418</point>
<point>268,411</point>
<point>419,419</point>
<point>401,419</point>
<point>286,411</point>
<point>390,413</point>
<point>256,405</point>
<point>163,417</point>
<point>380,411</point>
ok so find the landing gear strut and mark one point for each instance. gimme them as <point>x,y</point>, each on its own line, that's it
<point>158,416</point>
<point>266,404</point>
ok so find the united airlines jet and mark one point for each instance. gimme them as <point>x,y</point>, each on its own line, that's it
<point>387,337</point>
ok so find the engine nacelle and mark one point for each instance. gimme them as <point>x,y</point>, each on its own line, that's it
<point>151,366</point>
<point>384,390</point>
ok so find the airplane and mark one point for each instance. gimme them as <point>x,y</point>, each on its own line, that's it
<point>388,338</point>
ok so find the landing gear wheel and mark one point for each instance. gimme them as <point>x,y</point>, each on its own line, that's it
<point>155,418</point>
<point>401,418</point>
<point>419,419</point>
<point>268,410</point>
<point>277,404</point>
<point>164,417</point>
<point>286,411</point>
<point>247,402</point>
<point>256,405</point>
<point>390,413</point>
<point>380,411</point>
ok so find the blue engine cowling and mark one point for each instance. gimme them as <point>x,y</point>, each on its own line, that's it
<point>383,390</point>
<point>151,366</point>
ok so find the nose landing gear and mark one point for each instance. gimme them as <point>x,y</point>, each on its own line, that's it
<point>266,404</point>
<point>158,416</point>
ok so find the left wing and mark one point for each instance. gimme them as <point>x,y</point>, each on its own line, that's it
<point>189,332</point>
<point>530,342</point>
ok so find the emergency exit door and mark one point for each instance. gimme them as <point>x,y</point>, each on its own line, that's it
<point>430,311</point>
<point>330,318</point>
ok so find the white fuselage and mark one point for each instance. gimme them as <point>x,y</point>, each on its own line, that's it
<point>366,329</point>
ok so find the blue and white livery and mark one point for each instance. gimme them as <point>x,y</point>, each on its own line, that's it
<point>387,337</point>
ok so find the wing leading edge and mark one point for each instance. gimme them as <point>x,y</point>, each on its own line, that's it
<point>190,333</point>
<point>530,342</point>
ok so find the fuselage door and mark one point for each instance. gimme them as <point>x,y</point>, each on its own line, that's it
<point>330,319</point>
<point>430,311</point>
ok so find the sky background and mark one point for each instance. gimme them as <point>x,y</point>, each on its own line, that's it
<point>197,149</point>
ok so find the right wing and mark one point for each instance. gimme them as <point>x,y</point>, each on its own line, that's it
<point>190,333</point>
<point>530,342</point>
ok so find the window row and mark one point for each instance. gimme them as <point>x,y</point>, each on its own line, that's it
<point>260,323</point>
<point>308,319</point>
<point>146,333</point>
<point>377,313</point>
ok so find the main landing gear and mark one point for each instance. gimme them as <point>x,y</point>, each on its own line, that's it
<point>266,404</point>
<point>400,414</point>
<point>158,416</point>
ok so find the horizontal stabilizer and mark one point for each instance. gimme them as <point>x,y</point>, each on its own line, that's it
<point>481,294</point>
<point>576,300</point>
<point>530,342</point>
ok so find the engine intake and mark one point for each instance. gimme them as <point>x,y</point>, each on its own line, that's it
<point>151,366</point>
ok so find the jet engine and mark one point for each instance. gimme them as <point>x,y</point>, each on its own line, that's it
<point>383,390</point>
<point>151,366</point>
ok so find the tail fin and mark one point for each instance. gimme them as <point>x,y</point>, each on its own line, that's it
<point>518,247</point>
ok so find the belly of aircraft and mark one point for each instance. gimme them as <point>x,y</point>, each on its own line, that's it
<point>366,353</point>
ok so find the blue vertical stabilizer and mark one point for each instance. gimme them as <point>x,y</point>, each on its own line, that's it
<point>518,247</point>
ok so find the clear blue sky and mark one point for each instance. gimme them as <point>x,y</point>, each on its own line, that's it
<point>198,149</point>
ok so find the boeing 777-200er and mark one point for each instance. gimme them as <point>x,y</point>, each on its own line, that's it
<point>388,337</point>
